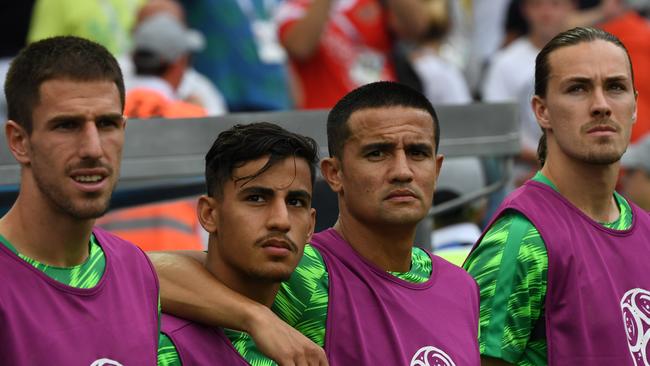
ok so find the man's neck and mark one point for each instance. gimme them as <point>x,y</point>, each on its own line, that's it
<point>388,247</point>
<point>259,291</point>
<point>49,237</point>
<point>589,187</point>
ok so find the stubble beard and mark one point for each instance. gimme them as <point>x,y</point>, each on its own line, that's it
<point>271,277</point>
<point>93,205</point>
<point>600,154</point>
<point>402,215</point>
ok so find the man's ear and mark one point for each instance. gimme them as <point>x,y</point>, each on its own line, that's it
<point>331,170</point>
<point>439,159</point>
<point>541,112</point>
<point>206,210</point>
<point>312,223</point>
<point>18,142</point>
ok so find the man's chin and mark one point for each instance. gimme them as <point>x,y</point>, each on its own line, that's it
<point>88,212</point>
<point>272,276</point>
<point>403,217</point>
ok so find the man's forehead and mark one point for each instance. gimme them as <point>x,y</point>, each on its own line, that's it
<point>68,97</point>
<point>288,171</point>
<point>587,58</point>
<point>391,122</point>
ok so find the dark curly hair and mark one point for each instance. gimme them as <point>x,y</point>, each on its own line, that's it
<point>242,143</point>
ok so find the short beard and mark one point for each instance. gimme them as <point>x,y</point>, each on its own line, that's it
<point>262,276</point>
<point>84,211</point>
<point>602,157</point>
<point>601,160</point>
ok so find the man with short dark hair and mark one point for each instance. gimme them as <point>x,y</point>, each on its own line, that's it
<point>563,265</point>
<point>258,213</point>
<point>72,294</point>
<point>362,290</point>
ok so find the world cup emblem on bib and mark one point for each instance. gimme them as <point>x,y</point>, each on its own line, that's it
<point>431,356</point>
<point>635,306</point>
<point>105,362</point>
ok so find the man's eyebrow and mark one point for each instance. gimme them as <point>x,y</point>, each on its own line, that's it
<point>299,193</point>
<point>419,146</point>
<point>66,118</point>
<point>110,116</point>
<point>618,78</point>
<point>382,146</point>
<point>257,190</point>
<point>586,80</point>
<point>577,79</point>
<point>81,118</point>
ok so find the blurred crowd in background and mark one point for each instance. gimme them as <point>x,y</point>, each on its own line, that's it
<point>195,58</point>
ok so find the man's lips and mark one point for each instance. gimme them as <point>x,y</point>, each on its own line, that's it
<point>90,180</point>
<point>601,128</point>
<point>278,246</point>
<point>401,195</point>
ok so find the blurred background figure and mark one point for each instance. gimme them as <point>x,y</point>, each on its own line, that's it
<point>161,55</point>
<point>485,33</point>
<point>162,49</point>
<point>242,56</point>
<point>194,88</point>
<point>14,24</point>
<point>107,22</point>
<point>625,22</point>
<point>636,176</point>
<point>335,46</point>
<point>510,75</point>
<point>456,230</point>
<point>441,81</point>
<point>169,225</point>
<point>627,19</point>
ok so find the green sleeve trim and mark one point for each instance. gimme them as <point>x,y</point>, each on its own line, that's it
<point>167,353</point>
<point>504,285</point>
<point>421,267</point>
<point>539,177</point>
<point>7,244</point>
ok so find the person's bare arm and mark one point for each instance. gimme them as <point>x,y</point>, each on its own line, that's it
<point>189,291</point>
<point>303,36</point>
<point>489,361</point>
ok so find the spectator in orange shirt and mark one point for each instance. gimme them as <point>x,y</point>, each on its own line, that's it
<point>163,46</point>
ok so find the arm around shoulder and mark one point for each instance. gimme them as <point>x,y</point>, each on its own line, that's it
<point>188,290</point>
